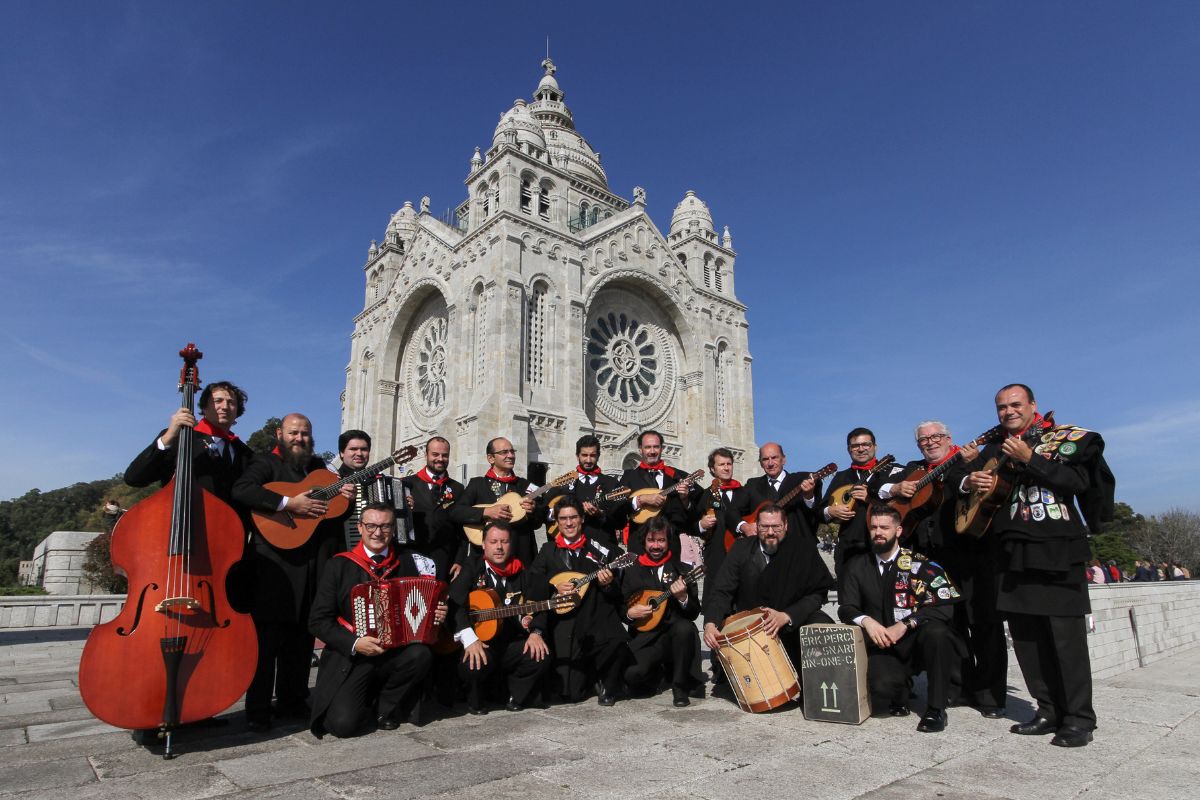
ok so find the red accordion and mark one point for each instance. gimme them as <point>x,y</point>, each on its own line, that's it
<point>398,611</point>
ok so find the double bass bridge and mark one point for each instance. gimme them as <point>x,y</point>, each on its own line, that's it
<point>170,604</point>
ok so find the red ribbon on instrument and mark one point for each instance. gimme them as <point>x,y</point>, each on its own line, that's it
<point>578,544</point>
<point>491,475</point>
<point>507,571</point>
<point>425,476</point>
<point>657,467</point>
<point>207,428</point>
<point>646,561</point>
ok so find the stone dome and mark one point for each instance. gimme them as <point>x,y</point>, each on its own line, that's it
<point>518,125</point>
<point>691,213</point>
<point>403,224</point>
<point>568,149</point>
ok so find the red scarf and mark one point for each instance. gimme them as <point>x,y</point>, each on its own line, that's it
<point>593,471</point>
<point>360,556</point>
<point>869,465</point>
<point>732,483</point>
<point>275,451</point>
<point>203,426</point>
<point>574,546</point>
<point>946,457</point>
<point>424,475</point>
<point>510,569</point>
<point>1038,422</point>
<point>491,475</point>
<point>659,467</point>
<point>646,561</point>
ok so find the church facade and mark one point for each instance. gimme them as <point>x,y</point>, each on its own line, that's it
<point>548,307</point>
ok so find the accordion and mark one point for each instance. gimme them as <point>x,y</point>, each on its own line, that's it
<point>398,611</point>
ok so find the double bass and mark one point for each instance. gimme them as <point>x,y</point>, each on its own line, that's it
<point>177,652</point>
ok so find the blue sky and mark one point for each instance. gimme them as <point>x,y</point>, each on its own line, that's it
<point>928,200</point>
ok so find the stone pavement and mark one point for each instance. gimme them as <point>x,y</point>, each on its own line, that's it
<point>51,747</point>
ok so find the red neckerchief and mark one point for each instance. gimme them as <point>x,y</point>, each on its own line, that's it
<point>275,451</point>
<point>574,546</point>
<point>491,475</point>
<point>732,483</point>
<point>205,427</point>
<point>944,458</point>
<point>510,569</point>
<point>659,467</point>
<point>593,471</point>
<point>867,466</point>
<point>645,560</point>
<point>424,475</point>
<point>362,558</point>
<point>1038,422</point>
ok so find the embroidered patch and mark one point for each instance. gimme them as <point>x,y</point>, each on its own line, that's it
<point>1047,438</point>
<point>1068,448</point>
<point>904,563</point>
<point>1038,511</point>
<point>1048,496</point>
<point>1061,435</point>
<point>944,593</point>
<point>1054,511</point>
<point>1076,435</point>
<point>1063,508</point>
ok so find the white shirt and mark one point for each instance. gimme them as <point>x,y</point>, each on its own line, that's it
<point>882,564</point>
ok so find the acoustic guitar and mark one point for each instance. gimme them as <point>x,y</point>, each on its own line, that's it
<point>929,481</point>
<point>287,532</point>
<point>841,495</point>
<point>973,512</point>
<point>657,600</point>
<point>513,501</point>
<point>600,500</point>
<point>643,514</point>
<point>783,502</point>
<point>487,610</point>
<point>580,582</point>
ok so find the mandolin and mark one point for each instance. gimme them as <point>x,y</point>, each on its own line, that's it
<point>580,582</point>
<point>600,500</point>
<point>513,500</point>
<point>287,532</point>
<point>841,495</point>
<point>657,600</point>
<point>643,514</point>
<point>973,512</point>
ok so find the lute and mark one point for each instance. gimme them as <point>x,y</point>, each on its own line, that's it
<point>657,600</point>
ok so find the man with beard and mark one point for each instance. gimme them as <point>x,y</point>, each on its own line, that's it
<point>853,537</point>
<point>490,487</point>
<point>902,602</point>
<point>358,680</point>
<point>589,642</point>
<point>774,483</point>
<point>982,680</point>
<point>718,512</point>
<point>1042,551</point>
<point>601,523</point>
<point>773,570</point>
<point>518,652</point>
<point>218,456</point>
<point>285,580</point>
<point>674,498</point>
<point>673,644</point>
<point>429,495</point>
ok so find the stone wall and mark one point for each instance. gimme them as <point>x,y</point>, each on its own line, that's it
<point>59,611</point>
<point>1167,618</point>
<point>59,559</point>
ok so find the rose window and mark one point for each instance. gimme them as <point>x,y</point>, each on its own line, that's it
<point>624,358</point>
<point>430,365</point>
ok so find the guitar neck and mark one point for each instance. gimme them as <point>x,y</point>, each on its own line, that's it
<point>796,490</point>
<point>689,579</point>
<point>504,612</point>
<point>354,477</point>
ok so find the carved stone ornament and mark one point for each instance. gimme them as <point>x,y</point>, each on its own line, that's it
<point>631,366</point>
<point>426,364</point>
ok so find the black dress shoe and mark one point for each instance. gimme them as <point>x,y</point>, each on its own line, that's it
<point>513,705</point>
<point>1038,726</point>
<point>387,723</point>
<point>606,700</point>
<point>991,712</point>
<point>697,693</point>
<point>934,721</point>
<point>680,698</point>
<point>476,711</point>
<point>1070,736</point>
<point>898,710</point>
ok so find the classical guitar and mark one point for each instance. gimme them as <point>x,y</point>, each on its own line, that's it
<point>600,500</point>
<point>580,582</point>
<point>487,609</point>
<point>288,532</point>
<point>841,495</point>
<point>644,513</point>
<point>973,512</point>
<point>929,481</point>
<point>513,501</point>
<point>657,600</point>
<point>782,502</point>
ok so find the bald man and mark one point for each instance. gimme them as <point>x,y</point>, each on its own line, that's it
<point>285,581</point>
<point>773,484</point>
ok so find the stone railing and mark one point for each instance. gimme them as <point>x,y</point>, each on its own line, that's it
<point>1138,623</point>
<point>58,611</point>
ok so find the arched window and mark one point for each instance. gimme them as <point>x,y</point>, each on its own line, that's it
<point>526,194</point>
<point>721,373</point>
<point>544,201</point>
<point>478,369</point>
<point>708,271</point>
<point>535,336</point>
<point>583,212</point>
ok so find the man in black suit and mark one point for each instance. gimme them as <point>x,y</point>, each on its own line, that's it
<point>218,456</point>
<point>853,537</point>
<point>589,643</point>
<point>774,483</point>
<point>490,487</point>
<point>429,496</point>
<point>673,644</point>
<point>358,680</point>
<point>602,522</point>
<point>718,512</point>
<point>673,497</point>
<point>902,601</point>
<point>773,570</point>
<point>285,580</point>
<point>518,652</point>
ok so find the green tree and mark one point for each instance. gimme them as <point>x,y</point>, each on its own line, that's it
<point>263,439</point>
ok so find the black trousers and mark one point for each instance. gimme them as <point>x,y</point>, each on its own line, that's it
<point>675,645</point>
<point>284,659</point>
<point>506,659</point>
<point>985,668</point>
<point>393,679</point>
<point>933,648</point>
<point>580,662</point>
<point>1054,659</point>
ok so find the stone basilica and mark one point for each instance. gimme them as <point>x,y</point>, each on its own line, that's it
<point>546,307</point>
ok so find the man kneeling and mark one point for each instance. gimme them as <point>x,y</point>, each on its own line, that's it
<point>358,679</point>
<point>902,602</point>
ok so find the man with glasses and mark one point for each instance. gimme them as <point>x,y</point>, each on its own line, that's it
<point>853,537</point>
<point>358,681</point>
<point>486,489</point>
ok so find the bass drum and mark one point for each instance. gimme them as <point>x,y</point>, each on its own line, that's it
<point>758,668</point>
